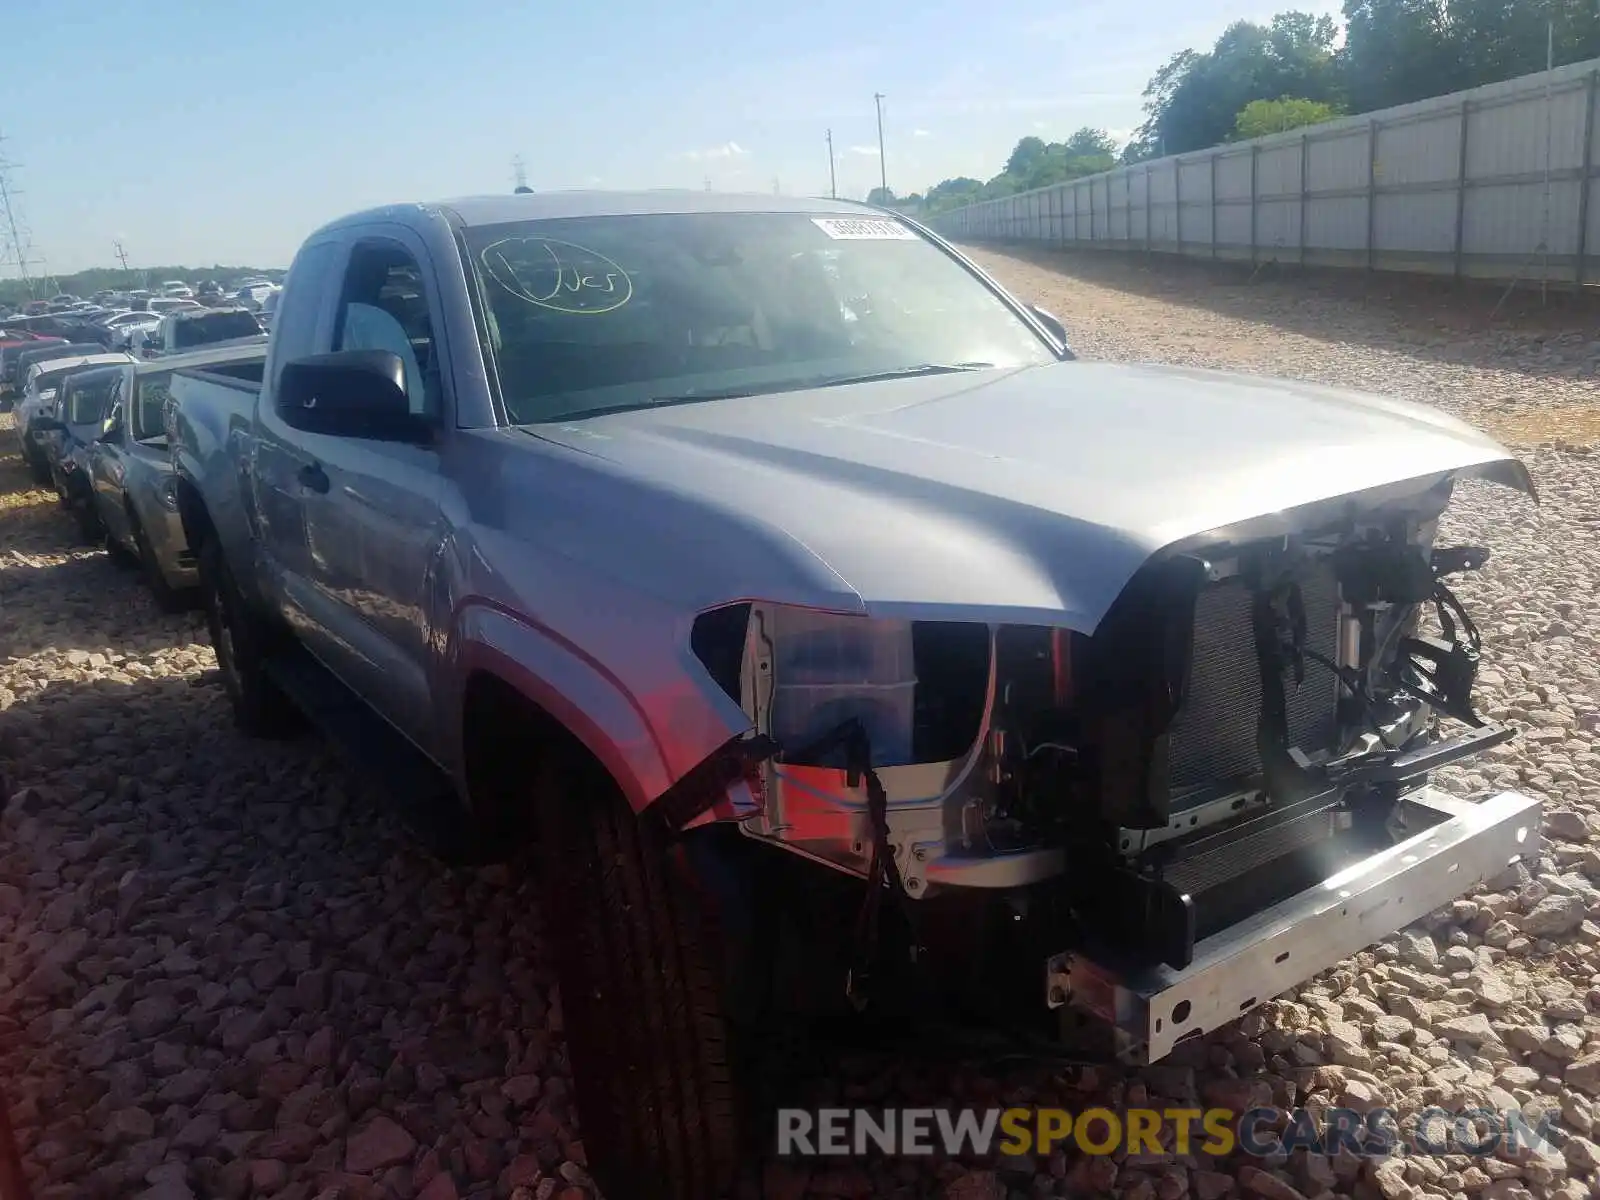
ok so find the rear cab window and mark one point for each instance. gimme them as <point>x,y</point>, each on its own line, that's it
<point>214,327</point>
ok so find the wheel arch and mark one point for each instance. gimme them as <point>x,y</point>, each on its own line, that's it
<point>192,513</point>
<point>503,662</point>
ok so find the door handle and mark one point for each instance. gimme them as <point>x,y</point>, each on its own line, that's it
<point>314,478</point>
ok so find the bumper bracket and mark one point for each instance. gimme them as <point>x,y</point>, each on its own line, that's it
<point>1235,970</point>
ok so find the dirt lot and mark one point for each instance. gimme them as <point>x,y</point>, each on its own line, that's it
<point>225,971</point>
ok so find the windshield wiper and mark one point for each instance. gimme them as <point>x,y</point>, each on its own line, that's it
<point>819,381</point>
<point>901,373</point>
<point>793,385</point>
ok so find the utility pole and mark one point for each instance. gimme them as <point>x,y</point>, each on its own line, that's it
<point>8,210</point>
<point>519,172</point>
<point>122,257</point>
<point>883,168</point>
<point>833,174</point>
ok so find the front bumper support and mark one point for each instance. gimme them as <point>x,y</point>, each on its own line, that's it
<point>1461,842</point>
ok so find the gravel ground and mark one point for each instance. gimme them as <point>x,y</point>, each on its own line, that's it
<point>225,971</point>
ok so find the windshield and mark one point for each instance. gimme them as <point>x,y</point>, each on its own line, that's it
<point>149,409</point>
<point>216,327</point>
<point>594,313</point>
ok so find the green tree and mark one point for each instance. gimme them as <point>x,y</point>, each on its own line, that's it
<point>1261,117</point>
<point>1090,143</point>
<point>1025,156</point>
<point>952,193</point>
<point>1033,163</point>
<point>1192,101</point>
<point>881,196</point>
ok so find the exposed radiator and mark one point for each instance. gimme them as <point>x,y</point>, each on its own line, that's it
<point>1213,737</point>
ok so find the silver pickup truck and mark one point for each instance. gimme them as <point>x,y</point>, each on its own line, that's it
<point>837,636</point>
<point>129,468</point>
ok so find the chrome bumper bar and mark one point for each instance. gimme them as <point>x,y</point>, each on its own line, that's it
<point>1461,843</point>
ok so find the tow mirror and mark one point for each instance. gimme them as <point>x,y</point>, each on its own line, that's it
<point>350,393</point>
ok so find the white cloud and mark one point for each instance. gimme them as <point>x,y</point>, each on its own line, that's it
<point>726,150</point>
<point>871,151</point>
<point>920,133</point>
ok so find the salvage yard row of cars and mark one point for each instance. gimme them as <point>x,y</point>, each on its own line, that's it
<point>143,322</point>
<point>91,424</point>
<point>969,679</point>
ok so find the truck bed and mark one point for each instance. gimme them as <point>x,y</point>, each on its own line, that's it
<point>209,418</point>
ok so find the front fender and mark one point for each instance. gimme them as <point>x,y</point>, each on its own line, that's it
<point>590,703</point>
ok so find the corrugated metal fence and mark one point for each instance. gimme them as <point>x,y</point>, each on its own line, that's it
<point>1493,183</point>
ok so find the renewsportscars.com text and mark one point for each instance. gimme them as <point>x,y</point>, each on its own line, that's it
<point>1373,1133</point>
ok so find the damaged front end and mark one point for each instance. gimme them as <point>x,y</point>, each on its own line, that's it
<point>1214,794</point>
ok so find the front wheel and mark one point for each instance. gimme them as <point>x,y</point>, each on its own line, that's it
<point>641,996</point>
<point>242,642</point>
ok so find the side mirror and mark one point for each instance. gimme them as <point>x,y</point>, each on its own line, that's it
<point>350,393</point>
<point>1051,322</point>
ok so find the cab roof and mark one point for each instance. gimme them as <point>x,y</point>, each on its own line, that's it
<point>549,206</point>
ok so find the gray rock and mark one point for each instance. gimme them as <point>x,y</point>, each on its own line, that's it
<point>1553,916</point>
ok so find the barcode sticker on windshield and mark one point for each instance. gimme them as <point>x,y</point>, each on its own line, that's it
<point>863,229</point>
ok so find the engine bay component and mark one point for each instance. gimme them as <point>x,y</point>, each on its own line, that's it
<point>1242,715</point>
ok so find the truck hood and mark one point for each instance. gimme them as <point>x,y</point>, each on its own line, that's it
<point>1035,494</point>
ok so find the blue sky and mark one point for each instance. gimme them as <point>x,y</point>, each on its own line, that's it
<point>203,131</point>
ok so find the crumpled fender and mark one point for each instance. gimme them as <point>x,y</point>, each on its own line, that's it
<point>589,701</point>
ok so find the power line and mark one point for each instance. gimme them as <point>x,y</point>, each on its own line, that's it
<point>519,171</point>
<point>833,176</point>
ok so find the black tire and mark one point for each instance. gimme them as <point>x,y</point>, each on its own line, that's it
<point>242,642</point>
<point>119,553</point>
<point>642,999</point>
<point>89,526</point>
<point>168,598</point>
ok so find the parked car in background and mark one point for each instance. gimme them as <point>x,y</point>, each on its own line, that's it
<point>45,349</point>
<point>108,327</point>
<point>130,468</point>
<point>40,401</point>
<point>177,289</point>
<point>162,305</point>
<point>209,291</point>
<point>842,637</point>
<point>83,402</point>
<point>251,295</point>
<point>12,343</point>
<point>134,336</point>
<point>192,328</point>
